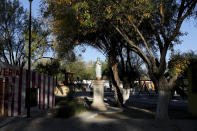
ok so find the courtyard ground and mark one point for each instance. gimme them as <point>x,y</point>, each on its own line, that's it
<point>137,116</point>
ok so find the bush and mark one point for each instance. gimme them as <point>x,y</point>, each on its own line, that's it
<point>69,107</point>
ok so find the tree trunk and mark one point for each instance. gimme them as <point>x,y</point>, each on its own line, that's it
<point>116,82</point>
<point>163,100</point>
<point>126,94</point>
<point>162,105</point>
<point>117,102</point>
<point>126,90</point>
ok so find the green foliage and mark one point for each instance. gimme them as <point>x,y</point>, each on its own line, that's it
<point>50,67</point>
<point>105,71</point>
<point>95,21</point>
<point>83,71</point>
<point>14,36</point>
<point>69,107</point>
<point>83,17</point>
<point>39,39</point>
<point>180,62</point>
<point>149,27</point>
<point>12,26</point>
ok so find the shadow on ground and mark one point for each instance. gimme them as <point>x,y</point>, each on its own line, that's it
<point>137,116</point>
<point>92,124</point>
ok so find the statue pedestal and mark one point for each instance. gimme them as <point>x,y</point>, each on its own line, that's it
<point>98,102</point>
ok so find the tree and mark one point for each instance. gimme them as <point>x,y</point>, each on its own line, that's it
<point>165,25</point>
<point>164,19</point>
<point>151,28</point>
<point>82,70</point>
<point>180,63</point>
<point>14,34</point>
<point>67,36</point>
<point>83,30</point>
<point>50,67</point>
<point>129,64</point>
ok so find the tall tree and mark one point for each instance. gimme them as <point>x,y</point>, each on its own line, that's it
<point>150,27</point>
<point>72,36</point>
<point>82,30</point>
<point>165,25</point>
<point>164,18</point>
<point>14,34</point>
<point>50,67</point>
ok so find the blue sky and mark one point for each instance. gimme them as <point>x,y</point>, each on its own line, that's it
<point>189,42</point>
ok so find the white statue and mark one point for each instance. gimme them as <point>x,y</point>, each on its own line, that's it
<point>98,69</point>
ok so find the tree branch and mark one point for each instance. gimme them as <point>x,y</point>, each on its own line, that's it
<point>181,18</point>
<point>121,57</point>
<point>142,37</point>
<point>5,58</point>
<point>134,47</point>
<point>129,57</point>
<point>181,9</point>
<point>172,81</point>
<point>162,21</point>
<point>162,65</point>
<point>157,37</point>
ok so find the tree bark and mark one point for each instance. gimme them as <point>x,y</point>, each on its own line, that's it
<point>116,82</point>
<point>118,89</point>
<point>163,100</point>
<point>116,97</point>
<point>162,105</point>
<point>126,92</point>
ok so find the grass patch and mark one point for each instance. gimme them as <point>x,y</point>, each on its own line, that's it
<point>69,107</point>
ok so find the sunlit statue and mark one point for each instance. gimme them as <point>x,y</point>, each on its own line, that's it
<point>98,90</point>
<point>98,69</point>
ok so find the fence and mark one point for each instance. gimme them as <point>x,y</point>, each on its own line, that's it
<point>13,84</point>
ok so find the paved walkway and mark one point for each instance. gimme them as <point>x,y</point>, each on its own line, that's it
<point>114,119</point>
<point>93,121</point>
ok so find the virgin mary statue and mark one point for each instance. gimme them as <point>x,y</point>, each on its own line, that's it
<point>98,69</point>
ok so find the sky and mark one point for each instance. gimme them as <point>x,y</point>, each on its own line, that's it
<point>189,42</point>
